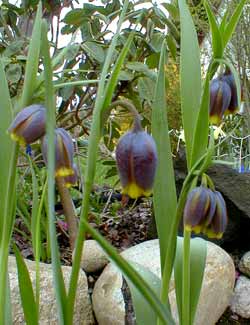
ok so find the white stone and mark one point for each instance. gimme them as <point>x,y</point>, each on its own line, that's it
<point>241,299</point>
<point>244,264</point>
<point>93,257</point>
<point>48,311</point>
<point>216,290</point>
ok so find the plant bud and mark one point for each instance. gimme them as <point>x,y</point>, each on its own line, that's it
<point>233,105</point>
<point>71,180</point>
<point>219,222</point>
<point>29,125</point>
<point>136,159</point>
<point>64,151</point>
<point>196,209</point>
<point>220,98</point>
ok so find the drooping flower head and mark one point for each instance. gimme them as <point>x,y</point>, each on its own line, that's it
<point>233,105</point>
<point>205,212</point>
<point>220,98</point>
<point>28,125</point>
<point>64,151</point>
<point>136,158</point>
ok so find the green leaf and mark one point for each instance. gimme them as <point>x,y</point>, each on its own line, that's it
<point>7,146</point>
<point>26,290</point>
<point>74,17</point>
<point>172,46</point>
<point>190,76</point>
<point>172,9</point>
<point>146,88</point>
<point>231,25</point>
<point>94,50</point>
<point>200,139</point>
<point>30,76</point>
<point>60,291</point>
<point>198,253</point>
<point>165,201</point>
<point>126,76</point>
<point>144,313</point>
<point>156,42</point>
<point>217,42</point>
<point>14,73</point>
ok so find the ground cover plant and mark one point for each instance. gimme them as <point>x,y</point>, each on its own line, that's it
<point>81,89</point>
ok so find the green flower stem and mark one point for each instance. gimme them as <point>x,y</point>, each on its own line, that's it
<point>59,286</point>
<point>94,138</point>
<point>166,275</point>
<point>75,83</point>
<point>186,279</point>
<point>68,209</point>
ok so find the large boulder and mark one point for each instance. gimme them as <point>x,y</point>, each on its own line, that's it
<point>217,288</point>
<point>48,310</point>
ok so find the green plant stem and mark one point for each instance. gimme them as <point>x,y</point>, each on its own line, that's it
<point>75,83</point>
<point>186,279</point>
<point>95,134</point>
<point>59,286</point>
<point>68,209</point>
<point>166,275</point>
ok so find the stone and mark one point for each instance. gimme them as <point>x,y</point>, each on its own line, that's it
<point>93,258</point>
<point>244,264</point>
<point>240,303</point>
<point>217,288</point>
<point>48,310</point>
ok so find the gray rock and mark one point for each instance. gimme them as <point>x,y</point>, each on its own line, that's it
<point>240,303</point>
<point>93,257</point>
<point>108,302</point>
<point>48,311</point>
<point>244,264</point>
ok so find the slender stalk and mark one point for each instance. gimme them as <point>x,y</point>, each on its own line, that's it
<point>50,125</point>
<point>68,209</point>
<point>94,138</point>
<point>75,83</point>
<point>166,275</point>
<point>186,279</point>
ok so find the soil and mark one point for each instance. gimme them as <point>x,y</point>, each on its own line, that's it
<point>123,225</point>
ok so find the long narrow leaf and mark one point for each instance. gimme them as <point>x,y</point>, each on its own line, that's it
<point>7,192</point>
<point>190,76</point>
<point>217,42</point>
<point>94,139</point>
<point>32,60</point>
<point>26,290</point>
<point>199,146</point>
<point>7,146</point>
<point>231,25</point>
<point>59,285</point>
<point>144,313</point>
<point>198,253</point>
<point>165,200</point>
